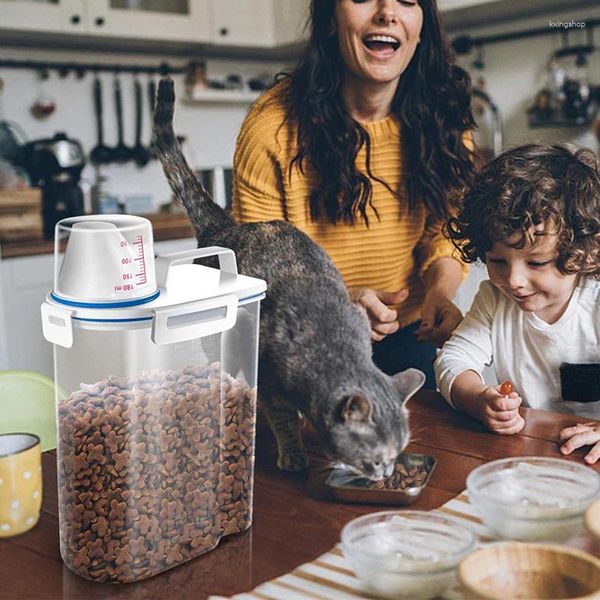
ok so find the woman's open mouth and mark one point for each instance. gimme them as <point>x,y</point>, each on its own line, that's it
<point>381,45</point>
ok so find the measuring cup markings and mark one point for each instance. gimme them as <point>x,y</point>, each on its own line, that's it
<point>140,258</point>
<point>139,242</point>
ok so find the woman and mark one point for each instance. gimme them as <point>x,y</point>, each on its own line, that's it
<point>362,149</point>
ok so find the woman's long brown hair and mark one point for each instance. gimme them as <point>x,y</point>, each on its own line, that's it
<point>432,103</point>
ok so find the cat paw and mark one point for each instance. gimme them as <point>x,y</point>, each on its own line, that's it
<point>293,461</point>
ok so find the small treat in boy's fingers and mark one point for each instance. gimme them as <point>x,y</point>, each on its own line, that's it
<point>506,388</point>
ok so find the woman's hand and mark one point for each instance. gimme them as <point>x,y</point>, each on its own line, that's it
<point>379,306</point>
<point>440,317</point>
<point>500,413</point>
<point>581,435</point>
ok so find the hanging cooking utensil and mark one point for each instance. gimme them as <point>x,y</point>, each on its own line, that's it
<point>140,154</point>
<point>44,105</point>
<point>100,153</point>
<point>121,152</point>
<point>152,101</point>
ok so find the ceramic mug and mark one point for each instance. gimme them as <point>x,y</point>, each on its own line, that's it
<point>20,482</point>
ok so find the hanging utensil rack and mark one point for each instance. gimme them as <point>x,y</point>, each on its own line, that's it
<point>463,44</point>
<point>80,68</point>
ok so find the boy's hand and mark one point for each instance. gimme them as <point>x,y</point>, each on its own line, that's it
<point>500,413</point>
<point>581,435</point>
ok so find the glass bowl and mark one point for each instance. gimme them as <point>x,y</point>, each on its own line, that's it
<point>405,553</point>
<point>533,498</point>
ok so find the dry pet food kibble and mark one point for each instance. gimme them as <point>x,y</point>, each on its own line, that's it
<point>401,478</point>
<point>153,470</point>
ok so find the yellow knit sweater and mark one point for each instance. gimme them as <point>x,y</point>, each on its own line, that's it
<point>392,253</point>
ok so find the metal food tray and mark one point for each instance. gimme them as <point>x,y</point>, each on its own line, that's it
<point>357,491</point>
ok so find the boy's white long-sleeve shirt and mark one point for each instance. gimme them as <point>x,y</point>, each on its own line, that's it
<point>524,349</point>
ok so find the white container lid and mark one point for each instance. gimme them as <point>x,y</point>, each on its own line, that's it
<point>183,289</point>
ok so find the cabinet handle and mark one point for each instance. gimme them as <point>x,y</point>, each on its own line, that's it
<point>99,21</point>
<point>223,31</point>
<point>75,19</point>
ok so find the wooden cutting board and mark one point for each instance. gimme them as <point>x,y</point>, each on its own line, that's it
<point>20,200</point>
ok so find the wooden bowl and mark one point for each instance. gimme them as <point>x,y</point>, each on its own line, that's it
<point>592,519</point>
<point>528,571</point>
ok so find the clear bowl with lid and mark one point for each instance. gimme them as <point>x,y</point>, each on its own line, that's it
<point>533,498</point>
<point>406,553</point>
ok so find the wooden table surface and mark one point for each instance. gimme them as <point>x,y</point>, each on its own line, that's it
<point>295,520</point>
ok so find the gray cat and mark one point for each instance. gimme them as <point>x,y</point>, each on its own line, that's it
<point>315,349</point>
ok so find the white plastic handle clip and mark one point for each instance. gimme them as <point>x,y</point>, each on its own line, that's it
<point>227,262</point>
<point>194,320</point>
<point>57,325</point>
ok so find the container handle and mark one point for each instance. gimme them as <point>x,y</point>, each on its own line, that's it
<point>194,319</point>
<point>227,262</point>
<point>57,325</point>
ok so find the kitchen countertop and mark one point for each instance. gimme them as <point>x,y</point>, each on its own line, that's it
<point>295,520</point>
<point>166,226</point>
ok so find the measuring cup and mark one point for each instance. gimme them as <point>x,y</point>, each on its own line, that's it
<point>107,259</point>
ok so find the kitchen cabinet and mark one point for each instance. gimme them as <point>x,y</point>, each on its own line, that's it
<point>467,13</point>
<point>169,20</point>
<point>56,16</point>
<point>235,23</point>
<point>172,20</point>
<point>258,23</point>
<point>444,5</point>
<point>251,23</point>
<point>25,282</point>
<point>290,21</point>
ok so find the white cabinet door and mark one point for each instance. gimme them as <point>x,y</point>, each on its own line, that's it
<point>170,20</point>
<point>247,23</point>
<point>25,283</point>
<point>66,16</point>
<point>290,21</point>
<point>456,4</point>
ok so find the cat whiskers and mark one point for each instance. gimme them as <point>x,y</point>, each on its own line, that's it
<point>414,435</point>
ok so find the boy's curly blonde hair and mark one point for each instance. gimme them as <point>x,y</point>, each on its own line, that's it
<point>529,186</point>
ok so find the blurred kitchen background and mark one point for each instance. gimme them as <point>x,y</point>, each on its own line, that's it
<point>535,65</point>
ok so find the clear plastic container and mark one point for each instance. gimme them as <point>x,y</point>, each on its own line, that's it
<point>156,406</point>
<point>533,498</point>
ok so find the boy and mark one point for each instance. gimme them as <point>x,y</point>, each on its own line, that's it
<point>533,216</point>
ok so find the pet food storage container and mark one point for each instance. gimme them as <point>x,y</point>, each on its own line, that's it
<point>155,367</point>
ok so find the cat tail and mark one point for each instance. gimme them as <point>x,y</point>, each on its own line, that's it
<point>207,218</point>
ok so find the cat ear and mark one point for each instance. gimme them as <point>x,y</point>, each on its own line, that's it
<point>408,383</point>
<point>356,408</point>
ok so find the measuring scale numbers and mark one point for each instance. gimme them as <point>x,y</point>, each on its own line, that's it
<point>134,265</point>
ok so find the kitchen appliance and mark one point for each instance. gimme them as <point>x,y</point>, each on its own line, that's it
<point>155,369</point>
<point>55,165</point>
<point>488,135</point>
<point>569,98</point>
<point>11,137</point>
